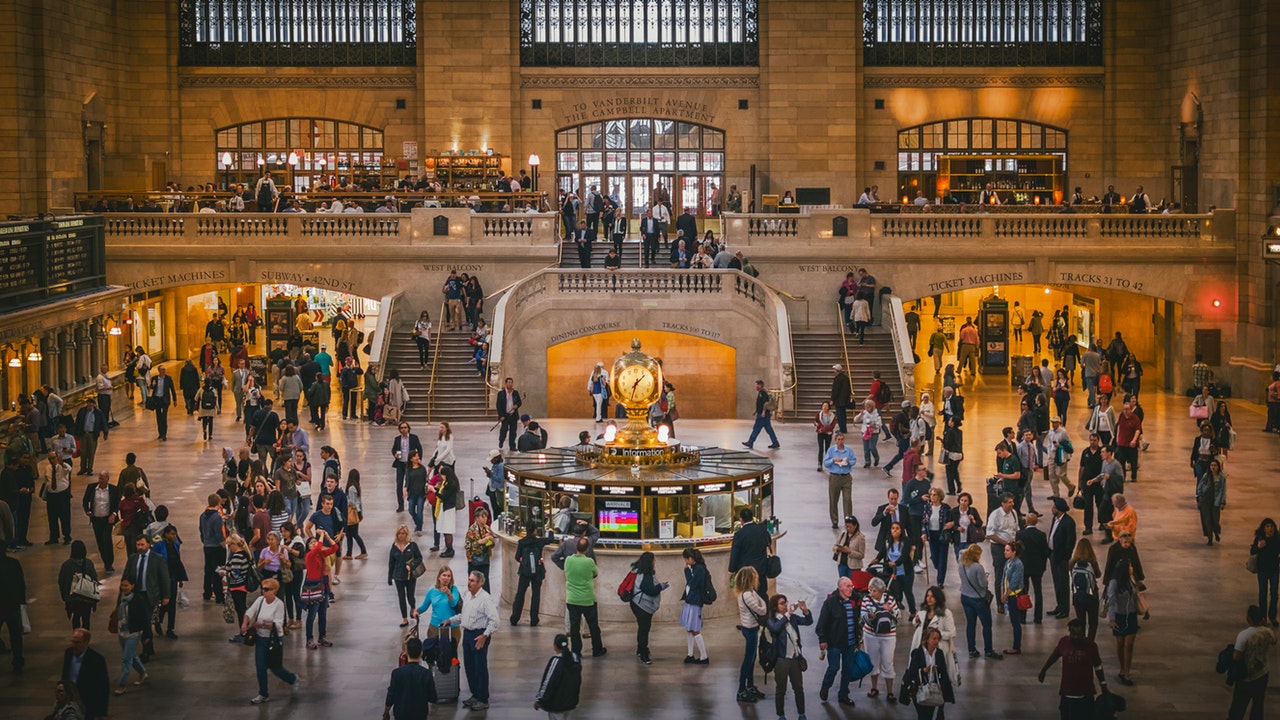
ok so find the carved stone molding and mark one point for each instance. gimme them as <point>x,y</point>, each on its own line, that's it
<point>980,81</point>
<point>641,81</point>
<point>277,81</point>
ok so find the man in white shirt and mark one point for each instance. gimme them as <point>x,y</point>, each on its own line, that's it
<point>478,620</point>
<point>55,483</point>
<point>663,216</point>
<point>1002,529</point>
<point>105,389</point>
<point>335,207</point>
<point>1057,452</point>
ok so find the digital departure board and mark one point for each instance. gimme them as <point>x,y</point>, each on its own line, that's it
<point>45,259</point>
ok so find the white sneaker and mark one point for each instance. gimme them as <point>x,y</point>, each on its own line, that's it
<point>296,686</point>
<point>259,699</point>
<point>336,580</point>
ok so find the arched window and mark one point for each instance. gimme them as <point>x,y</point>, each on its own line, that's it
<point>297,32</point>
<point>982,32</point>
<point>631,157</point>
<point>1024,161</point>
<point>324,150</point>
<point>639,32</point>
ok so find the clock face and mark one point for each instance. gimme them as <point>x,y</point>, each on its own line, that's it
<point>635,384</point>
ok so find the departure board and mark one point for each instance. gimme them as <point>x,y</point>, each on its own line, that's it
<point>45,259</point>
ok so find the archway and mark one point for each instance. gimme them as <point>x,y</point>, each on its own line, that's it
<point>629,157</point>
<point>686,361</point>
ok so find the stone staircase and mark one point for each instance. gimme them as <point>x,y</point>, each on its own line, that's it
<point>460,391</point>
<point>816,351</point>
<point>600,250</point>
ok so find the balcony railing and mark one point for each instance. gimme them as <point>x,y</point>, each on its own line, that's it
<point>862,228</point>
<point>423,226</point>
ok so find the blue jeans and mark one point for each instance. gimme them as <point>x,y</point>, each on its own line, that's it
<point>1268,582</point>
<point>903,445</point>
<point>129,657</point>
<point>260,658</point>
<point>839,660</point>
<point>416,503</point>
<point>752,636</point>
<point>1016,618</point>
<point>976,610</point>
<point>322,609</point>
<point>844,571</point>
<point>869,450</point>
<point>938,555</point>
<point>303,507</point>
<point>763,422</point>
<point>476,663</point>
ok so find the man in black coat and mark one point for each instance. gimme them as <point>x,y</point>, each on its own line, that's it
<point>87,670</point>
<point>508,405</point>
<point>886,515</point>
<point>189,383</point>
<point>1062,545</point>
<point>839,634</point>
<point>165,394</point>
<point>149,574</point>
<point>750,548</point>
<point>689,224</point>
<point>411,690</point>
<point>91,424</point>
<point>952,406</point>
<point>1035,557</point>
<point>13,595</point>
<point>404,446</point>
<point>841,397</point>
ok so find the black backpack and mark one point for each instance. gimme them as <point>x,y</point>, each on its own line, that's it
<point>208,399</point>
<point>768,656</point>
<point>885,393</point>
<point>1083,585</point>
<point>597,203</point>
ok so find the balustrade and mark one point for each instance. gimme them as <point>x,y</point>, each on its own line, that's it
<point>700,282</point>
<point>945,226</point>
<point>144,224</point>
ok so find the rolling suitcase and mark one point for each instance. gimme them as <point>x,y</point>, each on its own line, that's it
<point>448,684</point>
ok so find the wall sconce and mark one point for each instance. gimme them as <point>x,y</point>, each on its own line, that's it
<point>1217,302</point>
<point>114,331</point>
<point>261,160</point>
<point>15,362</point>
<point>293,159</point>
<point>226,160</point>
<point>35,356</point>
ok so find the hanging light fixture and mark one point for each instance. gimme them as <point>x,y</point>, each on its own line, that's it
<point>16,360</point>
<point>34,356</point>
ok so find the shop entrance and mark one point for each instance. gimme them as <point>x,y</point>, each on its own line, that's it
<point>1147,325</point>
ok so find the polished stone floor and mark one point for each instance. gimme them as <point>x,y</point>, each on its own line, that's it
<point>1197,593</point>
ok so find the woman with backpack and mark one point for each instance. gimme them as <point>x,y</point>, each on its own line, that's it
<point>646,598</point>
<point>697,591</point>
<point>561,684</point>
<point>784,625</point>
<point>880,635</point>
<point>1084,585</point>
<point>751,608</point>
<point>208,407</point>
<point>531,573</point>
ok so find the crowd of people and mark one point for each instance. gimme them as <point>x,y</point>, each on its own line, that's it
<point>273,561</point>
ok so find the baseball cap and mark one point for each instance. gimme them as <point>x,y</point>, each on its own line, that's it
<point>525,418</point>
<point>837,366</point>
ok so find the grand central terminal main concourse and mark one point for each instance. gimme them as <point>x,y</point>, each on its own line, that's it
<point>712,287</point>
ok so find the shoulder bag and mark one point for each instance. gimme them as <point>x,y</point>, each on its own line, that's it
<point>275,650</point>
<point>416,568</point>
<point>251,637</point>
<point>1250,564</point>
<point>85,588</point>
<point>772,566</point>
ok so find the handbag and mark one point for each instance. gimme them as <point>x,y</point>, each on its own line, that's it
<point>929,694</point>
<point>418,569</point>
<point>862,665</point>
<point>275,650</point>
<point>804,664</point>
<point>1251,564</point>
<point>286,572</point>
<point>772,566</point>
<point>312,592</point>
<point>1022,601</point>
<point>353,516</point>
<point>84,587</point>
<point>1078,502</point>
<point>954,457</point>
<point>1200,412</point>
<point>26,619</point>
<point>155,402</point>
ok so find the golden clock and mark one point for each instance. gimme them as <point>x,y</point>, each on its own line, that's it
<point>637,379</point>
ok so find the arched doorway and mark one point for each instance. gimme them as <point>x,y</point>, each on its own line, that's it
<point>310,151</point>
<point>629,158</point>
<point>1025,162</point>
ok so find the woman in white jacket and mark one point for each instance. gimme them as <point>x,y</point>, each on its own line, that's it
<point>935,614</point>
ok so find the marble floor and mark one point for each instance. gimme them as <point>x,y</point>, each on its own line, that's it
<point>1198,594</point>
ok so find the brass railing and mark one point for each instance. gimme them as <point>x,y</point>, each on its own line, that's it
<point>435,358</point>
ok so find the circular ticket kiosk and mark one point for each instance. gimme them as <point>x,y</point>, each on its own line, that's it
<point>643,491</point>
